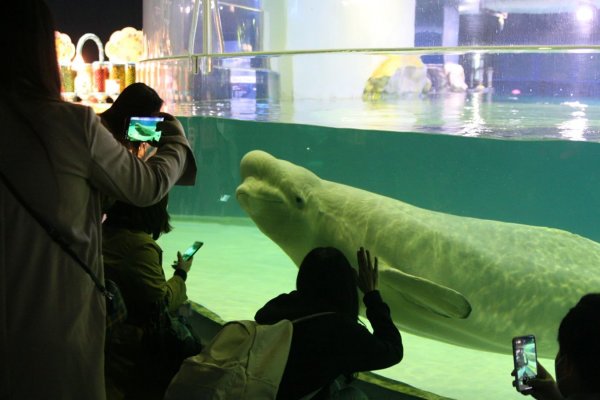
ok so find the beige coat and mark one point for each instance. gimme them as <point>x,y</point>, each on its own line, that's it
<point>52,316</point>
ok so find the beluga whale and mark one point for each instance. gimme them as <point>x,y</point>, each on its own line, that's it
<point>470,282</point>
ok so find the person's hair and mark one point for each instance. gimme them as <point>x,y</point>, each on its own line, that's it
<point>326,274</point>
<point>153,219</point>
<point>579,339</point>
<point>28,39</point>
<point>136,100</point>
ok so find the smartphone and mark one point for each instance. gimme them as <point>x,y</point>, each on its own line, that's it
<point>190,251</point>
<point>525,357</point>
<point>143,129</point>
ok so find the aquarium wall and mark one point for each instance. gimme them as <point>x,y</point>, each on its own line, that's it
<point>487,110</point>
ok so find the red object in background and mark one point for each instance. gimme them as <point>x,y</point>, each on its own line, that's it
<point>101,73</point>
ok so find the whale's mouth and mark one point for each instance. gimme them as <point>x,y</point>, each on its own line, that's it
<point>245,194</point>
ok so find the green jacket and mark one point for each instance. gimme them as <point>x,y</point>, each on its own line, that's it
<point>134,261</point>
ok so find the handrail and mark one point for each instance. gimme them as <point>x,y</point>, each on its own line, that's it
<point>398,50</point>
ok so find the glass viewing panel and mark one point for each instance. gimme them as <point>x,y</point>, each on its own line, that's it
<point>528,94</point>
<point>176,27</point>
<point>370,56</point>
<point>395,97</point>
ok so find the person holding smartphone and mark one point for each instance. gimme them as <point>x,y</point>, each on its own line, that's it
<point>577,363</point>
<point>137,100</point>
<point>134,261</point>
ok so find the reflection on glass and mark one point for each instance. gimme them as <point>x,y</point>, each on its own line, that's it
<point>575,128</point>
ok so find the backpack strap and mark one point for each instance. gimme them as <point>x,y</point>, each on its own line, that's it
<point>311,316</point>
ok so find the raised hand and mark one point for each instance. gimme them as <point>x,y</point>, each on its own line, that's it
<point>367,271</point>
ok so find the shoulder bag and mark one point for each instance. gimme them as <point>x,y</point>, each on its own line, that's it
<point>116,311</point>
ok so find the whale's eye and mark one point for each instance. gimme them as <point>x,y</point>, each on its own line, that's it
<point>299,201</point>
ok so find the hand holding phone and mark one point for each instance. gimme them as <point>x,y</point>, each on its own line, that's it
<point>525,358</point>
<point>170,127</point>
<point>190,251</point>
<point>186,255</point>
<point>143,129</point>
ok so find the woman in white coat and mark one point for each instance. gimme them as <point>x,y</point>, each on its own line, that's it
<point>62,161</point>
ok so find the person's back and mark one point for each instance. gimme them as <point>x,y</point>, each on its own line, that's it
<point>53,172</point>
<point>63,198</point>
<point>58,158</point>
<point>134,260</point>
<point>330,345</point>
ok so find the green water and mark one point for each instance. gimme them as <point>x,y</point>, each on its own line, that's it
<point>552,183</point>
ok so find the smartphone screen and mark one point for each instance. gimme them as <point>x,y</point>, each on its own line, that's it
<point>525,356</point>
<point>143,129</point>
<point>190,251</point>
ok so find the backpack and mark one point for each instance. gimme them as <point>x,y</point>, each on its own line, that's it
<point>167,340</point>
<point>245,360</point>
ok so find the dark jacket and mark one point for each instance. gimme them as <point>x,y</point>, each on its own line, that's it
<point>328,346</point>
<point>134,261</point>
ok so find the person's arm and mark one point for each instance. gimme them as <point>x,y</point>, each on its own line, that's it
<point>380,349</point>
<point>383,348</point>
<point>379,316</point>
<point>175,293</point>
<point>176,289</point>
<point>114,171</point>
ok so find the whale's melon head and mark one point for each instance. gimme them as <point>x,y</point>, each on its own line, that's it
<point>277,195</point>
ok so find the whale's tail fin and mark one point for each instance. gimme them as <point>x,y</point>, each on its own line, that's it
<point>438,299</point>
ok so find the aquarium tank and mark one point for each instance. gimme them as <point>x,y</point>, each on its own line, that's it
<point>486,110</point>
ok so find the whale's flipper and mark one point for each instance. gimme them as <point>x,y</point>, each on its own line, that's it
<point>429,295</point>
